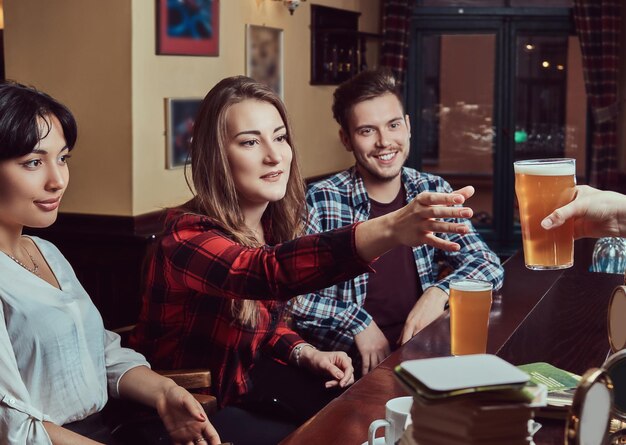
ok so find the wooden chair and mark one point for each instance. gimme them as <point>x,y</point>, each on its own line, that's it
<point>191,379</point>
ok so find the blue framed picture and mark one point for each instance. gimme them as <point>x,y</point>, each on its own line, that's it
<point>180,118</point>
<point>188,27</point>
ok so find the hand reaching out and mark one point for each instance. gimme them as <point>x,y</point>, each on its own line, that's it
<point>595,213</point>
<point>416,224</point>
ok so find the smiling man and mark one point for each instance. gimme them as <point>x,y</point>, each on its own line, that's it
<point>373,314</point>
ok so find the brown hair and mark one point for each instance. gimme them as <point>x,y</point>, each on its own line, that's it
<point>213,186</point>
<point>364,86</point>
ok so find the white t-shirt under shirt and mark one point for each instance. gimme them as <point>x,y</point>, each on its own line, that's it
<point>57,362</point>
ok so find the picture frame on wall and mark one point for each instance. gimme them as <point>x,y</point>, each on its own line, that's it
<point>264,56</point>
<point>180,115</point>
<point>188,28</point>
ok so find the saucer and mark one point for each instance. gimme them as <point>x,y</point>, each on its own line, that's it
<point>533,427</point>
<point>377,441</point>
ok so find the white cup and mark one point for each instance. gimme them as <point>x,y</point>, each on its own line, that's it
<point>397,413</point>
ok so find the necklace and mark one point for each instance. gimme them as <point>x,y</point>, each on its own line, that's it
<point>34,269</point>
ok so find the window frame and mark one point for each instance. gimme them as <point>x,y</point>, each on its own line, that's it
<point>504,236</point>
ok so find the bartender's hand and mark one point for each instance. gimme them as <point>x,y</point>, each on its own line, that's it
<point>596,213</point>
<point>428,308</point>
<point>372,345</point>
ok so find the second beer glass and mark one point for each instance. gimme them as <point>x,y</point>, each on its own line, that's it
<point>542,186</point>
<point>470,303</point>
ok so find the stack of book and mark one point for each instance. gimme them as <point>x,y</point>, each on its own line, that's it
<point>473,399</point>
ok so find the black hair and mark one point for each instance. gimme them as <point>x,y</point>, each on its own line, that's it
<point>24,119</point>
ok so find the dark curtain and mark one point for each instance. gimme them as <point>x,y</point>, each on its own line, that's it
<point>598,25</point>
<point>395,15</point>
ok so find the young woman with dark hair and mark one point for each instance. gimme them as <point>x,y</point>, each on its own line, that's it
<point>58,365</point>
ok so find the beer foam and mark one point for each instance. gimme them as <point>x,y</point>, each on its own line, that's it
<point>555,168</point>
<point>471,285</point>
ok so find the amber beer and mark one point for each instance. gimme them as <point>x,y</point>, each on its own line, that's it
<point>470,303</point>
<point>542,186</point>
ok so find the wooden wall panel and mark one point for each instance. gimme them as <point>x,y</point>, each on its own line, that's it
<point>107,254</point>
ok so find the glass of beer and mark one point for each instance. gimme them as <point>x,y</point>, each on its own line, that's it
<point>542,186</point>
<point>470,304</point>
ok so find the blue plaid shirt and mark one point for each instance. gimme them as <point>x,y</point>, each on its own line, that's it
<point>330,318</point>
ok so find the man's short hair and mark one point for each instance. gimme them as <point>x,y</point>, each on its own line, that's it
<point>364,86</point>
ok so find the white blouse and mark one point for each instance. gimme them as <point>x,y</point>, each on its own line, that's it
<point>57,362</point>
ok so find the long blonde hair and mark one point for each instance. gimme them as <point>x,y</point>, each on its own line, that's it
<point>214,190</point>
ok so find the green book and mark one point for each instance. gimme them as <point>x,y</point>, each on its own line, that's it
<point>561,386</point>
<point>554,378</point>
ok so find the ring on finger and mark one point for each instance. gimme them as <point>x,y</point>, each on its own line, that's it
<point>199,440</point>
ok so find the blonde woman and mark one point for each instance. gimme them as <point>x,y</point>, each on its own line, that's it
<point>231,257</point>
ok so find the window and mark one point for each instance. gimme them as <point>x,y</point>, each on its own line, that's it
<point>489,86</point>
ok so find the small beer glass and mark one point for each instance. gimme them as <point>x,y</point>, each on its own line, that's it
<point>470,304</point>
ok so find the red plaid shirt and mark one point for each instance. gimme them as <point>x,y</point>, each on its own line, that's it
<point>186,319</point>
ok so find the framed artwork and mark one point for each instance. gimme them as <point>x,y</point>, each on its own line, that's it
<point>180,115</point>
<point>264,56</point>
<point>188,27</point>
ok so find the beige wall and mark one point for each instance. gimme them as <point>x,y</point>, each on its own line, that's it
<point>98,58</point>
<point>156,77</point>
<point>78,51</point>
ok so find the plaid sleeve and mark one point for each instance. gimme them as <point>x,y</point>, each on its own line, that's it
<point>474,260</point>
<point>282,343</point>
<point>328,323</point>
<point>325,318</point>
<point>209,262</point>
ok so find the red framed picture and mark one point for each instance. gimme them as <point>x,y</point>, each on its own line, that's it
<point>188,27</point>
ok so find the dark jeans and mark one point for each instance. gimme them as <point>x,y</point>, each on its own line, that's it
<point>244,427</point>
<point>122,423</point>
<point>96,427</point>
<point>281,399</point>
<point>293,393</point>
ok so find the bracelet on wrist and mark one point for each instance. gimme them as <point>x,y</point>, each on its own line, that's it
<point>297,351</point>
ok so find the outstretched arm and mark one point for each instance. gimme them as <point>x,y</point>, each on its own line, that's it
<point>595,213</point>
<point>415,224</point>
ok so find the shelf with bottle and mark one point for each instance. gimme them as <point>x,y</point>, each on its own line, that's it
<point>338,48</point>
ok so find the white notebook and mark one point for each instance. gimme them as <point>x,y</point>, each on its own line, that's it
<point>448,374</point>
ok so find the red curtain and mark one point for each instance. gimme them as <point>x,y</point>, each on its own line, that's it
<point>395,33</point>
<point>598,25</point>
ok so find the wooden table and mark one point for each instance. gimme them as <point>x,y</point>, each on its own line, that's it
<point>553,316</point>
